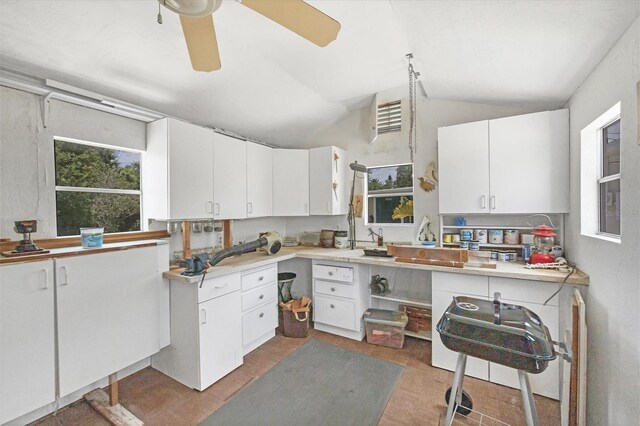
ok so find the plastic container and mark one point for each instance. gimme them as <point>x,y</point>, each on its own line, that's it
<point>285,281</point>
<point>385,328</point>
<point>91,237</point>
<point>341,239</point>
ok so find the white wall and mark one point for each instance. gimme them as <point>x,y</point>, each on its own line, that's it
<point>352,134</point>
<point>613,296</point>
<point>27,178</point>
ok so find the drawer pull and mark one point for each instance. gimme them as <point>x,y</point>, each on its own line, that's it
<point>261,296</point>
<point>261,278</point>
<point>221,286</point>
<point>332,306</point>
<point>261,314</point>
<point>330,273</point>
<point>333,289</point>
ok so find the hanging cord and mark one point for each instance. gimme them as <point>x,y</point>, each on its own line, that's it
<point>413,77</point>
<point>564,281</point>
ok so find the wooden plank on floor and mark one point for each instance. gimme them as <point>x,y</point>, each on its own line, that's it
<point>117,415</point>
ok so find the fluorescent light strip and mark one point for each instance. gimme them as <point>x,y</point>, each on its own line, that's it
<point>72,89</point>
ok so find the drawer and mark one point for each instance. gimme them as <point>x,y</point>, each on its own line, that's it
<point>260,277</point>
<point>524,290</point>
<point>335,289</point>
<point>258,322</point>
<point>472,285</point>
<point>336,312</point>
<point>259,295</point>
<point>335,273</point>
<point>218,286</point>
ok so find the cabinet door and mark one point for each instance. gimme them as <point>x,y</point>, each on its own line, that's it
<point>220,338</point>
<point>190,171</point>
<point>441,356</point>
<point>229,177</point>
<point>290,182</point>
<point>327,181</point>
<point>463,168</point>
<point>530,163</point>
<point>546,383</point>
<point>445,286</point>
<point>108,313</point>
<point>27,359</point>
<point>259,180</point>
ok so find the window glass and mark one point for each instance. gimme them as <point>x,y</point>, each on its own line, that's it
<point>390,194</point>
<point>611,149</point>
<point>610,207</point>
<point>96,187</point>
<point>96,167</point>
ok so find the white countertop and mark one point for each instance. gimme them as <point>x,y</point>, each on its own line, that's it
<point>253,260</point>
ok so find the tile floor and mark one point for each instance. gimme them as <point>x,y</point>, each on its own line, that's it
<point>418,399</point>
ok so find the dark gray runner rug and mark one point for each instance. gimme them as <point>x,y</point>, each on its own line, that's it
<point>318,384</point>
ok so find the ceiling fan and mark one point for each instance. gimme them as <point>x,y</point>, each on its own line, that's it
<point>196,17</point>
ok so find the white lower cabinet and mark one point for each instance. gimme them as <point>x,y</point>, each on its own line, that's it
<point>530,294</point>
<point>106,321</point>
<point>340,298</point>
<point>206,332</point>
<point>444,287</point>
<point>259,306</point>
<point>219,338</point>
<point>27,359</point>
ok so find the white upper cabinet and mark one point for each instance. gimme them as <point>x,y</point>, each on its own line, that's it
<point>259,180</point>
<point>327,181</point>
<point>177,171</point>
<point>463,168</point>
<point>290,182</point>
<point>229,177</point>
<point>510,165</point>
<point>530,163</point>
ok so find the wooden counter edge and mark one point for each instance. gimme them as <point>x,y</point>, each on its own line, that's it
<point>79,252</point>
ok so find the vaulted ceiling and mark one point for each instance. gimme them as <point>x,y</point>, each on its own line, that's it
<point>279,88</point>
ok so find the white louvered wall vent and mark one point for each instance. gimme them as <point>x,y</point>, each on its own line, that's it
<point>389,118</point>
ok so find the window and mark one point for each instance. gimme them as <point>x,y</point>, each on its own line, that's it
<point>96,186</point>
<point>600,202</point>
<point>389,194</point>
<point>609,183</point>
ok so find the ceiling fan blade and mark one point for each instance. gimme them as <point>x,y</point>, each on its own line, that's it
<point>200,36</point>
<point>299,17</point>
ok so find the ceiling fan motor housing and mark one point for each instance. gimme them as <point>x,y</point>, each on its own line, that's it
<point>193,8</point>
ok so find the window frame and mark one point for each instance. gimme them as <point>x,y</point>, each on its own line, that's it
<point>365,207</point>
<point>606,179</point>
<point>591,174</point>
<point>62,188</point>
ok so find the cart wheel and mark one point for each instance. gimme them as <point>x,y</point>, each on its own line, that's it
<point>466,406</point>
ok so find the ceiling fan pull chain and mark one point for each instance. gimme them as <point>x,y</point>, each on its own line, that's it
<point>411,106</point>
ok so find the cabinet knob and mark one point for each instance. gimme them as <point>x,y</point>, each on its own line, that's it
<point>261,278</point>
<point>331,306</point>
<point>261,296</point>
<point>330,274</point>
<point>261,314</point>
<point>333,289</point>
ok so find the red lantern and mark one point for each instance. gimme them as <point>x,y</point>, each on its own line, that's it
<point>543,241</point>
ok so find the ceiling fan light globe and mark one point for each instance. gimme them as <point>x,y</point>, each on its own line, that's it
<point>192,8</point>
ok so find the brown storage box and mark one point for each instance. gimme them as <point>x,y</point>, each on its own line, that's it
<point>419,319</point>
